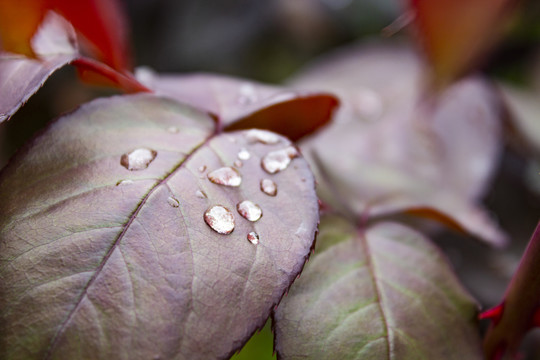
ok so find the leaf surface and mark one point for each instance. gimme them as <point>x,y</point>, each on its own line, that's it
<point>387,293</point>
<point>389,152</point>
<point>101,262</point>
<point>241,104</point>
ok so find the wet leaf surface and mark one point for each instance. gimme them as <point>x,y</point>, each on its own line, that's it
<point>241,104</point>
<point>104,233</point>
<point>389,152</point>
<point>386,293</point>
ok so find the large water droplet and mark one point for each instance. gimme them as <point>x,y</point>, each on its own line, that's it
<point>200,194</point>
<point>249,210</point>
<point>278,160</point>
<point>124,182</point>
<point>268,187</point>
<point>244,154</point>
<point>247,94</point>
<point>225,176</point>
<point>220,219</point>
<point>262,136</point>
<point>173,202</point>
<point>138,159</point>
<point>253,237</point>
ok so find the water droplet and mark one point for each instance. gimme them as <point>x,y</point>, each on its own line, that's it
<point>238,163</point>
<point>278,160</point>
<point>200,194</point>
<point>173,202</point>
<point>202,168</point>
<point>173,129</point>
<point>138,159</point>
<point>247,94</point>
<point>243,154</point>
<point>253,237</point>
<point>249,210</point>
<point>124,182</point>
<point>262,136</point>
<point>227,176</point>
<point>220,219</point>
<point>268,187</point>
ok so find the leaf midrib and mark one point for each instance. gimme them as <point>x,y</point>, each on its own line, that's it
<point>60,331</point>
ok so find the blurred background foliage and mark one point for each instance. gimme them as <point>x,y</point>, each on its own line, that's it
<point>269,41</point>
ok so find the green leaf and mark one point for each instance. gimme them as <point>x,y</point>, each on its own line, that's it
<point>101,262</point>
<point>386,293</point>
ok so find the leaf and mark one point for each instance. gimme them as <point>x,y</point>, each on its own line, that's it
<point>21,77</point>
<point>100,262</point>
<point>100,22</point>
<point>389,152</point>
<point>55,46</point>
<point>519,311</point>
<point>241,104</point>
<point>386,293</point>
<point>456,34</point>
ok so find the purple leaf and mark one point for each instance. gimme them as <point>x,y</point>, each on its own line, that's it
<point>388,152</point>
<point>113,237</point>
<point>21,77</point>
<point>386,293</point>
<point>240,104</point>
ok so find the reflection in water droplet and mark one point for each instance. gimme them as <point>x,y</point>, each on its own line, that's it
<point>249,210</point>
<point>243,154</point>
<point>173,129</point>
<point>173,202</point>
<point>202,168</point>
<point>253,237</point>
<point>200,194</point>
<point>138,159</point>
<point>226,176</point>
<point>124,182</point>
<point>247,94</point>
<point>269,187</point>
<point>220,219</point>
<point>238,163</point>
<point>278,160</point>
<point>262,136</point>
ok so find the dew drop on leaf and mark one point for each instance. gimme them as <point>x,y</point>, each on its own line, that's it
<point>173,130</point>
<point>220,219</point>
<point>253,237</point>
<point>202,168</point>
<point>247,94</point>
<point>278,160</point>
<point>262,136</point>
<point>226,176</point>
<point>249,210</point>
<point>173,202</point>
<point>238,163</point>
<point>268,187</point>
<point>124,182</point>
<point>244,154</point>
<point>138,159</point>
<point>200,194</point>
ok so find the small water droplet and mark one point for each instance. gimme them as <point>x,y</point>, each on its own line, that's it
<point>138,159</point>
<point>238,163</point>
<point>124,182</point>
<point>202,168</point>
<point>226,176</point>
<point>253,237</point>
<point>173,129</point>
<point>220,219</point>
<point>200,194</point>
<point>244,154</point>
<point>278,160</point>
<point>249,210</point>
<point>173,202</point>
<point>268,187</point>
<point>262,136</point>
<point>247,94</point>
